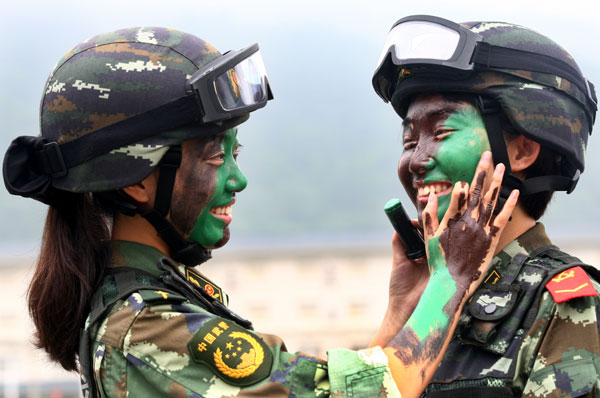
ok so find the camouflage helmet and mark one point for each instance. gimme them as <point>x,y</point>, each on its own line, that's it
<point>102,83</point>
<point>112,77</point>
<point>548,100</point>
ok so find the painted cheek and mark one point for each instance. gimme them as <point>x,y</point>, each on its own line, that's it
<point>208,230</point>
<point>404,175</point>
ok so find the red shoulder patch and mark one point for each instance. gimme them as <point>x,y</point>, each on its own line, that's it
<point>569,284</point>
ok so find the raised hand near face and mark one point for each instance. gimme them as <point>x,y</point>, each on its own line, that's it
<point>408,279</point>
<point>463,243</point>
<point>459,251</point>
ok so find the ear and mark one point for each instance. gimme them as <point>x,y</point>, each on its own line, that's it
<point>522,152</point>
<point>143,192</point>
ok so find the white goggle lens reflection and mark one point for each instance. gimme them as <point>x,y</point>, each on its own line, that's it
<point>421,39</point>
<point>243,85</point>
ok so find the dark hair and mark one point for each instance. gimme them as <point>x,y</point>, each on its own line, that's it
<point>73,256</point>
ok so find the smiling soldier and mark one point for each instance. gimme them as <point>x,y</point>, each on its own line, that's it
<point>531,329</point>
<point>137,160</point>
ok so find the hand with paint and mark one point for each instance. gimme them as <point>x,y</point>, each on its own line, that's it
<point>407,282</point>
<point>459,250</point>
<point>463,243</point>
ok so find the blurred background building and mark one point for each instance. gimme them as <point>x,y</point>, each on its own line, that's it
<point>315,299</point>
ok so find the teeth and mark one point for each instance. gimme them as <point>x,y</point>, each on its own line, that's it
<point>435,188</point>
<point>224,210</point>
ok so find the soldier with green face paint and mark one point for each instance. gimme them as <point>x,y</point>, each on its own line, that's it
<point>137,162</point>
<point>532,328</point>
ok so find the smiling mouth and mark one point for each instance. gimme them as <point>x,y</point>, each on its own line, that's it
<point>438,188</point>
<point>221,211</point>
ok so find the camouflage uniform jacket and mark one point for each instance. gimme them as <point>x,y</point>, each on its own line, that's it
<point>158,343</point>
<point>515,338</point>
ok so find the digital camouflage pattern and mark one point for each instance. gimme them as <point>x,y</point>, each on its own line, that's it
<point>156,343</point>
<point>547,108</point>
<point>115,76</point>
<point>513,337</point>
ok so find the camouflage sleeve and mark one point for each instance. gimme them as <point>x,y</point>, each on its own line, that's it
<point>560,356</point>
<point>149,347</point>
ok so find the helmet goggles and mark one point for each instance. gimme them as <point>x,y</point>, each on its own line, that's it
<point>222,92</point>
<point>233,84</point>
<point>436,47</point>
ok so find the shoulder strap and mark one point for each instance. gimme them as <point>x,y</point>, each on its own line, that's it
<point>127,283</point>
<point>553,252</point>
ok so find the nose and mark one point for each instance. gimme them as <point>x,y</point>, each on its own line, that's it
<point>236,180</point>
<point>421,160</point>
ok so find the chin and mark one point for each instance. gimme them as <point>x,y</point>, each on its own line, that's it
<point>223,241</point>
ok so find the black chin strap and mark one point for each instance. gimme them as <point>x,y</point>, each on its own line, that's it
<point>490,112</point>
<point>190,254</point>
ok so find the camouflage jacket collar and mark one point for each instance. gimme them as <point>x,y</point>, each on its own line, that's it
<point>147,259</point>
<point>136,255</point>
<point>532,239</point>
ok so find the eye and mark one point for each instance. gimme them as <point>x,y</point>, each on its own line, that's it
<point>217,159</point>
<point>442,133</point>
<point>408,143</point>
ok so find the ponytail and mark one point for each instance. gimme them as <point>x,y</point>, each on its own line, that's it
<point>72,260</point>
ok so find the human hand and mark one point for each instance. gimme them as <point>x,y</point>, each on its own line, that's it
<point>407,282</point>
<point>465,240</point>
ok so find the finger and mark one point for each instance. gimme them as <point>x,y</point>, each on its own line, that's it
<point>503,217</point>
<point>458,201</point>
<point>479,180</point>
<point>415,223</point>
<point>491,196</point>
<point>430,220</point>
<point>398,249</point>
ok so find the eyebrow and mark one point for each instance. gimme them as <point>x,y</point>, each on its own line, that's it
<point>445,112</point>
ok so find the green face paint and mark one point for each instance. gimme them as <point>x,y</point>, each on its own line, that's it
<point>459,152</point>
<point>443,142</point>
<point>211,226</point>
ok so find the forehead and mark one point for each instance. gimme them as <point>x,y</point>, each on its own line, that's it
<point>212,141</point>
<point>430,106</point>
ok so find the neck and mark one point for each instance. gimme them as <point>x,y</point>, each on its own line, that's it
<point>520,222</point>
<point>137,229</point>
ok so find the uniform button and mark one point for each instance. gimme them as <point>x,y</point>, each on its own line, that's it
<point>490,308</point>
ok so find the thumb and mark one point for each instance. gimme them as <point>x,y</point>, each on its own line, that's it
<point>430,220</point>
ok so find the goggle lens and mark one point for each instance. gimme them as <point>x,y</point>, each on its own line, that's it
<point>243,85</point>
<point>421,40</point>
